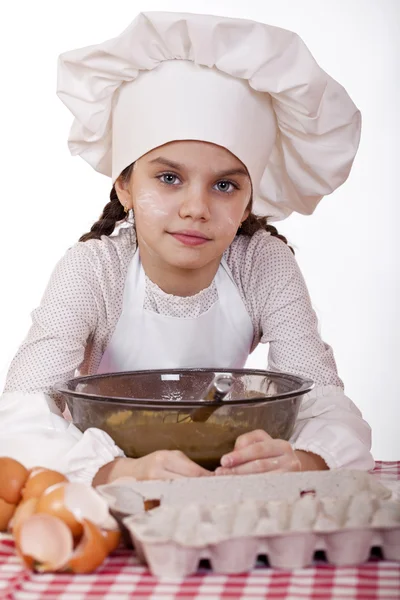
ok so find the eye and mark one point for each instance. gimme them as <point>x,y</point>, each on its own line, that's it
<point>169,178</point>
<point>228,187</point>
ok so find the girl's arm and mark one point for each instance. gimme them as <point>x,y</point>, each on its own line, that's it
<point>32,428</point>
<point>330,431</point>
<point>62,325</point>
<point>329,424</point>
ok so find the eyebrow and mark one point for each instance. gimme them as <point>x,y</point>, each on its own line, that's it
<point>174,165</point>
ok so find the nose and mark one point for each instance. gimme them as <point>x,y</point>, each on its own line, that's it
<point>195,204</point>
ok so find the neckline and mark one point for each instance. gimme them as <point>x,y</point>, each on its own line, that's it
<point>155,289</point>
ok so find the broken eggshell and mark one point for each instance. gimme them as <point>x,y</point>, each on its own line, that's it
<point>40,480</point>
<point>44,543</point>
<point>66,506</point>
<point>52,502</point>
<point>112,538</point>
<point>91,550</point>
<point>46,514</point>
<point>85,503</point>
<point>24,510</point>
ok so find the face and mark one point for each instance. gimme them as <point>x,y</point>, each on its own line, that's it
<point>189,199</point>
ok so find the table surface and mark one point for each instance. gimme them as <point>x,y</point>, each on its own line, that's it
<point>122,577</point>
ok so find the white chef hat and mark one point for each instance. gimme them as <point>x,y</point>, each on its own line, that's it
<point>249,87</point>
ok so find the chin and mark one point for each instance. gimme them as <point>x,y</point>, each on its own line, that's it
<point>186,262</point>
<point>187,258</point>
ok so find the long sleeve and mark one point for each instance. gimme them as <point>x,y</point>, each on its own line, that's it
<point>61,327</point>
<point>34,432</point>
<point>68,324</point>
<point>329,424</point>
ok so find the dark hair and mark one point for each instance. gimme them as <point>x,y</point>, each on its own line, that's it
<point>114,212</point>
<point>254,223</point>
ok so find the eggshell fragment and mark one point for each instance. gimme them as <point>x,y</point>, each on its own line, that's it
<point>25,509</point>
<point>150,504</point>
<point>44,543</point>
<point>39,480</point>
<point>85,503</point>
<point>91,550</point>
<point>112,538</point>
<point>52,502</point>
<point>6,512</point>
<point>12,478</point>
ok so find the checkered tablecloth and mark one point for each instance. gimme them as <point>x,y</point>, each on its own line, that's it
<point>121,577</point>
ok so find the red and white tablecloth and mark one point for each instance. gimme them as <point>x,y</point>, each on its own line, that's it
<point>121,577</point>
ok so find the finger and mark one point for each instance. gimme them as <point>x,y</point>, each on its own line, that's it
<point>281,464</point>
<point>163,474</point>
<point>252,437</point>
<point>265,449</point>
<point>180,464</point>
<point>262,465</point>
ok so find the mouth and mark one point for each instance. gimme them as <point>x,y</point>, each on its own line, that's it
<point>190,237</point>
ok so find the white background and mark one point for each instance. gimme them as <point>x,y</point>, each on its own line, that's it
<point>348,249</point>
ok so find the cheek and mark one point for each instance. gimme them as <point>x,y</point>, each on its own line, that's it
<point>151,207</point>
<point>227,217</point>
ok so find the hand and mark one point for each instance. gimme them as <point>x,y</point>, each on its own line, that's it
<point>162,464</point>
<point>258,452</point>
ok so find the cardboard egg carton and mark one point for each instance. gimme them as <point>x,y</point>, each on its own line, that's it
<point>232,520</point>
<point>125,496</point>
<point>173,539</point>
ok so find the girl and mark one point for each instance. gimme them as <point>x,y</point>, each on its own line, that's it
<point>208,127</point>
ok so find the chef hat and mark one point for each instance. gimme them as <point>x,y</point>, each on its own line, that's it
<point>249,87</point>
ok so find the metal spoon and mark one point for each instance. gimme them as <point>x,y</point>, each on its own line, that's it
<point>219,388</point>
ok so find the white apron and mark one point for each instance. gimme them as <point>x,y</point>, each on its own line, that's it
<point>219,338</point>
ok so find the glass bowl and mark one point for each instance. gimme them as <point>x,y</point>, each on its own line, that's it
<point>145,411</point>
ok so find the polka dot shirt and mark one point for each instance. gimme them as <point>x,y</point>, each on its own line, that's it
<point>83,301</point>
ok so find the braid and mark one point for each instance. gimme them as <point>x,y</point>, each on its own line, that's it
<point>112,213</point>
<point>254,223</point>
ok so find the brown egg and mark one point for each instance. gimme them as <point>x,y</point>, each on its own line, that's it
<point>34,470</point>
<point>12,478</point>
<point>52,502</point>
<point>91,550</point>
<point>39,480</point>
<point>25,509</point>
<point>44,543</point>
<point>112,538</point>
<point>6,512</point>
